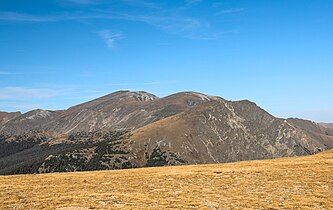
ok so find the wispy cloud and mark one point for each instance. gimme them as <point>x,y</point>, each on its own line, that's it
<point>19,93</point>
<point>14,16</point>
<point>124,84</point>
<point>7,73</point>
<point>145,83</point>
<point>163,20</point>
<point>47,96</point>
<point>217,4</point>
<point>174,21</point>
<point>160,82</point>
<point>191,2</point>
<point>170,23</point>
<point>24,70</point>
<point>110,37</point>
<point>14,106</point>
<point>212,35</point>
<point>27,68</point>
<point>23,93</point>
<point>22,17</point>
<point>229,11</point>
<point>142,3</point>
<point>82,1</point>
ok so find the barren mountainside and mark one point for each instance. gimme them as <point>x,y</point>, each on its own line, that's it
<point>221,131</point>
<point>137,129</point>
<point>7,116</point>
<point>119,110</point>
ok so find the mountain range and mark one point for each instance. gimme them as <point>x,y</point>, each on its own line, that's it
<point>137,129</point>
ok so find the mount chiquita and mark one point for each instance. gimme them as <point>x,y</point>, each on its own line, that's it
<point>137,129</point>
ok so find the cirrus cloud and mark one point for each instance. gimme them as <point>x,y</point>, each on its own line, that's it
<point>110,37</point>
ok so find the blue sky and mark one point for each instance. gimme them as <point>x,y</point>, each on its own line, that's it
<point>59,53</point>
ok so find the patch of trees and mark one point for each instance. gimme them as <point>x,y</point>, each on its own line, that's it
<point>163,158</point>
<point>13,144</point>
<point>110,153</point>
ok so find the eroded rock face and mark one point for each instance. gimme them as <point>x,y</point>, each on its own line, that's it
<point>137,129</point>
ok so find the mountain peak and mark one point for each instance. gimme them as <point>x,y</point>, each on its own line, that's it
<point>38,113</point>
<point>142,95</point>
<point>193,96</point>
<point>125,94</point>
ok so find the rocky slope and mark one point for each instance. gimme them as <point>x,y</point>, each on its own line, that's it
<point>137,129</point>
<point>7,116</point>
<point>221,131</point>
<point>34,120</point>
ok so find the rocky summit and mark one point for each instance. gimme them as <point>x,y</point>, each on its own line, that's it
<point>138,129</point>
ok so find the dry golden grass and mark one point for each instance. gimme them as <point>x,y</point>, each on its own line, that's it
<point>288,183</point>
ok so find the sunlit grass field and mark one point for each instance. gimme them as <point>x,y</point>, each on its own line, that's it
<point>287,183</point>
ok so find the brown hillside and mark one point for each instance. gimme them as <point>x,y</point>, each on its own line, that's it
<point>221,131</point>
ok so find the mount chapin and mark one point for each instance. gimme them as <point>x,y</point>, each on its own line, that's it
<point>137,129</point>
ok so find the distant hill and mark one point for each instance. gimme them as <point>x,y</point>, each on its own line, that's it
<point>327,125</point>
<point>137,129</point>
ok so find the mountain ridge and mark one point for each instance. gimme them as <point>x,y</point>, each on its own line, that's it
<point>128,129</point>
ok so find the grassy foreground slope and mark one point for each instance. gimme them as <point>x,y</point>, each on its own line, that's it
<point>287,183</point>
